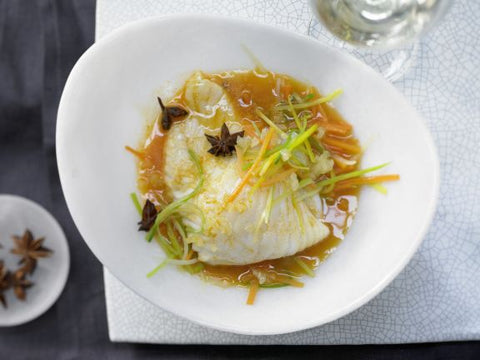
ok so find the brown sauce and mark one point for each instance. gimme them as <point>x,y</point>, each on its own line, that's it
<point>247,90</point>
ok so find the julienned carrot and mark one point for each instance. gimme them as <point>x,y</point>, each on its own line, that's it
<point>250,171</point>
<point>366,180</point>
<point>342,129</point>
<point>351,148</point>
<point>252,293</point>
<point>250,131</point>
<point>135,152</point>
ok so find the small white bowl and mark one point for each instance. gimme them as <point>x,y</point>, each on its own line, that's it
<point>103,108</point>
<point>16,215</point>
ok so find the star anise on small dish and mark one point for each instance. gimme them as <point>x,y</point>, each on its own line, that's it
<point>4,283</point>
<point>30,251</point>
<point>170,113</point>
<point>224,144</point>
<point>20,284</point>
<point>149,214</point>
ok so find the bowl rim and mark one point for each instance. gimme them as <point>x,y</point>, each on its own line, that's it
<point>241,22</point>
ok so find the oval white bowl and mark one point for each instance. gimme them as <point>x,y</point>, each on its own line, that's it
<point>104,106</point>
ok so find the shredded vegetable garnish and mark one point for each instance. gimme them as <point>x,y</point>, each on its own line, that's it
<point>304,267</point>
<point>312,103</point>
<point>271,123</point>
<point>295,178</point>
<point>134,198</point>
<point>173,207</point>
<point>252,293</point>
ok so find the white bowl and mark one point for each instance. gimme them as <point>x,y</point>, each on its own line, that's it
<point>104,105</point>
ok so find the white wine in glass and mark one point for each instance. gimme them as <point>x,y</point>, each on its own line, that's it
<point>380,25</point>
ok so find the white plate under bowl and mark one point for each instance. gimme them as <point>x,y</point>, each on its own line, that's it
<point>16,215</point>
<point>104,105</point>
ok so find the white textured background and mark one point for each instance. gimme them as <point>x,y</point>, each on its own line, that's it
<point>437,297</point>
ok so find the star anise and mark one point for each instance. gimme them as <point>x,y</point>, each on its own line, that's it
<point>169,113</point>
<point>4,283</point>
<point>225,144</point>
<point>20,284</point>
<point>149,214</point>
<point>30,250</point>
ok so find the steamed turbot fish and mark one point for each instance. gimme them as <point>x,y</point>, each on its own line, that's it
<point>252,228</point>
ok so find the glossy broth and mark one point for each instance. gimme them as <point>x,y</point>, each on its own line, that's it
<point>248,90</point>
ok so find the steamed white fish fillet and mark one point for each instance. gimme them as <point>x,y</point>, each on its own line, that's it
<point>235,233</point>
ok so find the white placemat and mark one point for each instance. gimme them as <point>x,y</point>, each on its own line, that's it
<point>437,297</point>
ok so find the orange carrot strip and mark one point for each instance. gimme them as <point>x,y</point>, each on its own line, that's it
<point>369,180</point>
<point>252,293</point>
<point>351,148</point>
<point>137,153</point>
<point>250,171</point>
<point>336,129</point>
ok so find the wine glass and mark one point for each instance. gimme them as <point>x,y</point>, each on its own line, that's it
<point>382,33</point>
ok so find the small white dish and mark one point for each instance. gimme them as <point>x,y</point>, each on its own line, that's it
<point>50,276</point>
<point>103,108</point>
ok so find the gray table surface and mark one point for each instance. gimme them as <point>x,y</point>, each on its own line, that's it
<point>39,43</point>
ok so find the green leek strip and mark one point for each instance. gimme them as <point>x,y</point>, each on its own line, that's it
<point>302,137</point>
<point>172,207</point>
<point>335,179</point>
<point>270,123</point>
<point>309,150</point>
<point>304,267</point>
<point>294,113</point>
<point>257,130</point>
<point>297,166</point>
<point>317,145</point>
<point>195,268</point>
<point>330,187</point>
<point>271,159</point>
<point>188,209</point>
<point>380,188</point>
<point>172,262</point>
<point>178,226</point>
<point>297,97</point>
<point>160,266</point>
<point>279,147</point>
<point>307,105</point>
<point>166,246</point>
<point>173,238</point>
<point>134,198</point>
<point>182,262</point>
<point>308,97</point>
<point>247,166</point>
<point>272,286</point>
<point>301,185</point>
<point>289,147</point>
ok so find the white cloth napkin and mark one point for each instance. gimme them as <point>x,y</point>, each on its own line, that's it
<point>437,296</point>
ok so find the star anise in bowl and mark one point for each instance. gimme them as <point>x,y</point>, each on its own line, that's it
<point>20,284</point>
<point>4,283</point>
<point>224,144</point>
<point>30,250</point>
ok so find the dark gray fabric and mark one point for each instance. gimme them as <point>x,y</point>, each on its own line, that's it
<point>39,43</point>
